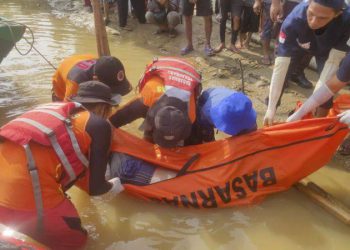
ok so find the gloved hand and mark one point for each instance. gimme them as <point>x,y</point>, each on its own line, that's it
<point>117,187</point>
<point>268,118</point>
<point>345,117</point>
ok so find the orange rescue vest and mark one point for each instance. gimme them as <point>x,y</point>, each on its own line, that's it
<point>171,76</point>
<point>71,72</point>
<point>48,125</point>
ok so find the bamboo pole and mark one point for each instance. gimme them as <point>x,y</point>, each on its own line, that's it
<point>100,30</point>
<point>325,200</point>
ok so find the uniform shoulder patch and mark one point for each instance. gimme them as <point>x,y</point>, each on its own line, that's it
<point>282,37</point>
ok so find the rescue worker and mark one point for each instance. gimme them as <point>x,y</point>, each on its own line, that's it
<point>81,68</point>
<point>318,27</point>
<point>224,109</point>
<point>167,100</point>
<point>326,92</point>
<point>47,150</point>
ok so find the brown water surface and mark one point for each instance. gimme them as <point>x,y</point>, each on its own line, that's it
<point>287,220</point>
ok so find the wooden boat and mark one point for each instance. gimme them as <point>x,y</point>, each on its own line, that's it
<point>10,33</point>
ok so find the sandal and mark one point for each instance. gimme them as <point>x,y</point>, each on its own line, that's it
<point>344,148</point>
<point>209,51</point>
<point>186,50</point>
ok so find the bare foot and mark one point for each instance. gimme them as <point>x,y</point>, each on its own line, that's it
<point>239,45</point>
<point>233,48</point>
<point>246,45</point>
<point>219,48</point>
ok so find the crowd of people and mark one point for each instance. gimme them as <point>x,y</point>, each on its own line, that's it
<point>67,142</point>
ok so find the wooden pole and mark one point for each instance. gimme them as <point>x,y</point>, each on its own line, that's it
<point>100,30</point>
<point>325,200</point>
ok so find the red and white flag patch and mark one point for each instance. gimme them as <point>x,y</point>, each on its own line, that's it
<point>282,37</point>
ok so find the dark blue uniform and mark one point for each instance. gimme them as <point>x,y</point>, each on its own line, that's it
<point>296,37</point>
<point>343,73</point>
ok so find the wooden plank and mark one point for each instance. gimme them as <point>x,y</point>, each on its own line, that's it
<point>100,30</point>
<point>325,200</point>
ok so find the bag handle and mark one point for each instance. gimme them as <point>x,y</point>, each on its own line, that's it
<point>187,165</point>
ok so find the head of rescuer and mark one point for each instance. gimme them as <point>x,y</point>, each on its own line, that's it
<point>81,68</point>
<point>167,122</point>
<point>76,151</point>
<point>321,12</point>
<point>319,28</point>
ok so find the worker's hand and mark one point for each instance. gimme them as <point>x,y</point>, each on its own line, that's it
<point>268,118</point>
<point>345,117</point>
<point>116,188</point>
<point>296,116</point>
<point>276,12</point>
<point>257,7</point>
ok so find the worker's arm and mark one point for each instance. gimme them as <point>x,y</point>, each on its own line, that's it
<point>325,91</point>
<point>129,112</point>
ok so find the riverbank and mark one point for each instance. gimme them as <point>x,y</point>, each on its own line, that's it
<point>221,69</point>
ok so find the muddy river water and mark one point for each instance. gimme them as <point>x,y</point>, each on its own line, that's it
<point>287,220</point>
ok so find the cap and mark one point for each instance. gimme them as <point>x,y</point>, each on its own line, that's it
<point>110,71</point>
<point>334,4</point>
<point>231,114</point>
<point>169,121</point>
<point>94,92</point>
<point>171,126</point>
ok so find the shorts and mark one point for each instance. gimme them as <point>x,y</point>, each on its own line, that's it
<point>249,20</point>
<point>62,225</point>
<point>267,28</point>
<point>131,170</point>
<point>203,8</point>
<point>234,7</point>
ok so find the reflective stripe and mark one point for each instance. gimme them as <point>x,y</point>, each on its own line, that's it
<point>54,143</point>
<point>50,112</point>
<point>164,59</point>
<point>181,70</point>
<point>36,186</point>
<point>62,157</point>
<point>35,124</point>
<point>76,147</point>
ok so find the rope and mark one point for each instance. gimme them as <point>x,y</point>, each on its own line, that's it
<point>31,43</point>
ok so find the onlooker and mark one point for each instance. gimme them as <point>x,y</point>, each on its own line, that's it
<point>203,8</point>
<point>165,14</point>
<point>235,8</point>
<point>249,23</point>
<point>139,9</point>
<point>263,7</point>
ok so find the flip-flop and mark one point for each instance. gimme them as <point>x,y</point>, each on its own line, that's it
<point>186,50</point>
<point>209,51</point>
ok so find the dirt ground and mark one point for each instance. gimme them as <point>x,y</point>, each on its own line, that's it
<point>223,69</point>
